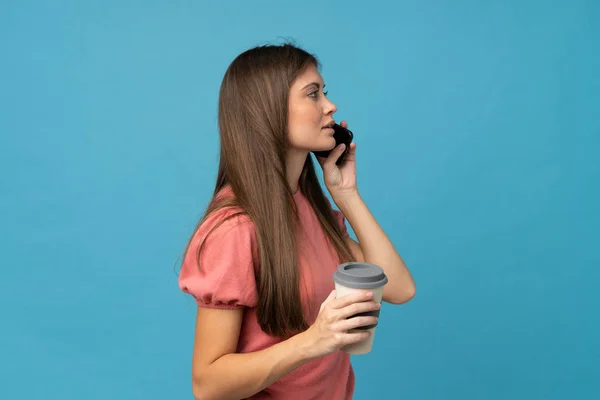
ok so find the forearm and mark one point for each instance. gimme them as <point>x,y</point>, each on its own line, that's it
<point>238,376</point>
<point>378,249</point>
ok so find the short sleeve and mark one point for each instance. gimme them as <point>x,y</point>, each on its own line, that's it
<point>225,276</point>
<point>341,220</point>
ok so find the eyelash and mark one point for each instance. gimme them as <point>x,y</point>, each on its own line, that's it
<point>315,92</point>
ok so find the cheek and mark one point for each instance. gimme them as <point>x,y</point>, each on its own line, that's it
<point>304,112</point>
<point>302,120</point>
<point>304,123</point>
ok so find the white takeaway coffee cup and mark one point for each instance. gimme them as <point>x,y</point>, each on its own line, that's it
<point>353,276</point>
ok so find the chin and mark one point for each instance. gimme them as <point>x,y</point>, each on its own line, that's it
<point>330,144</point>
<point>324,148</point>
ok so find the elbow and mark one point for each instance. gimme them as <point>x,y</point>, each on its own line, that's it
<point>200,388</point>
<point>408,291</point>
<point>411,292</point>
<point>204,388</point>
<point>402,296</point>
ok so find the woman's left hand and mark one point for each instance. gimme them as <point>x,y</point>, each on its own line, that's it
<point>340,180</point>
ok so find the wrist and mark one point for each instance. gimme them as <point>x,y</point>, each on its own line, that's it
<point>305,346</point>
<point>346,200</point>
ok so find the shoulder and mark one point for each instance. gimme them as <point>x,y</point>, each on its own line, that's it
<point>221,259</point>
<point>224,221</point>
<point>227,225</point>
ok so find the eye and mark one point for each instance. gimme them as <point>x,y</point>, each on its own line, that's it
<point>315,94</point>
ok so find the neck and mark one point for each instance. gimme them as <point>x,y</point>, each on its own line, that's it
<point>294,164</point>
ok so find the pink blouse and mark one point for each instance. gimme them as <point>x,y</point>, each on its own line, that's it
<point>229,260</point>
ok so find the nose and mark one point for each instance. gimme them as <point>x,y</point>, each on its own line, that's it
<point>330,108</point>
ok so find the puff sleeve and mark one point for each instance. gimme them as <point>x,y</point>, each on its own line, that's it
<point>225,276</point>
<point>341,220</point>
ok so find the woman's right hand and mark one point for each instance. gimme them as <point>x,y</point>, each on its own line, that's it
<point>330,330</point>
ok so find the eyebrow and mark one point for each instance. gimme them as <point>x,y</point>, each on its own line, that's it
<point>317,84</point>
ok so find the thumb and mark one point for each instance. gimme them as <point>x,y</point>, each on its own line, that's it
<point>334,155</point>
<point>331,295</point>
<point>329,298</point>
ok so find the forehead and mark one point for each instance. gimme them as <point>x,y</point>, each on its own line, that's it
<point>310,75</point>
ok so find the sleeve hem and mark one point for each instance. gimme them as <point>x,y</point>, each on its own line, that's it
<point>222,306</point>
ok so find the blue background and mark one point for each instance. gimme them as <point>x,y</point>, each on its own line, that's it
<point>478,131</point>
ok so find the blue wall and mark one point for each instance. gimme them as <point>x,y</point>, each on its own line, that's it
<point>478,125</point>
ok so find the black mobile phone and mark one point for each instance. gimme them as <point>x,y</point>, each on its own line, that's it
<point>341,135</point>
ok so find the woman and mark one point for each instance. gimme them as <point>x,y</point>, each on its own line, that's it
<point>260,262</point>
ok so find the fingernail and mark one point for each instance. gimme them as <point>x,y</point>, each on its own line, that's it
<point>369,294</point>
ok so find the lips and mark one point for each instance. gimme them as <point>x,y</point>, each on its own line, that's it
<point>329,125</point>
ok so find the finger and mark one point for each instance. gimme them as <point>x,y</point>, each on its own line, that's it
<point>355,337</point>
<point>355,322</point>
<point>328,300</point>
<point>331,296</point>
<point>333,156</point>
<point>351,298</point>
<point>351,155</point>
<point>344,124</point>
<point>320,160</point>
<point>358,308</point>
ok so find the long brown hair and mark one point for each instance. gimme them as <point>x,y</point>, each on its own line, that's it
<point>253,118</point>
